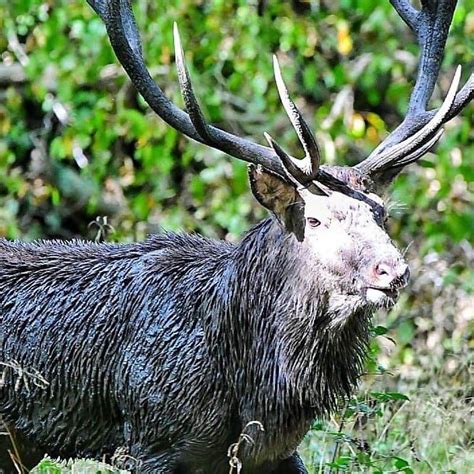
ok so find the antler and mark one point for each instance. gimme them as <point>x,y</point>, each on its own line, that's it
<point>421,129</point>
<point>125,40</point>
<point>418,132</point>
<point>306,170</point>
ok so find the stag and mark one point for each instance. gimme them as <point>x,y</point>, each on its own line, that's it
<point>170,347</point>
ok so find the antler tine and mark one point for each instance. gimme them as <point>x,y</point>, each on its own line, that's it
<point>394,154</point>
<point>125,40</point>
<point>425,148</point>
<point>293,171</point>
<point>407,12</point>
<point>302,180</point>
<point>190,101</point>
<point>310,164</point>
<point>431,26</point>
<point>463,97</point>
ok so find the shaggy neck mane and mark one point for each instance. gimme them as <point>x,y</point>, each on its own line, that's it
<point>285,358</point>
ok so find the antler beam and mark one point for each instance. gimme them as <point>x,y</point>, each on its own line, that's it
<point>430,25</point>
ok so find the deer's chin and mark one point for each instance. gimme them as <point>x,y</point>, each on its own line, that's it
<point>381,298</point>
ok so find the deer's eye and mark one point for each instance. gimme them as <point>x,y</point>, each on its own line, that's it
<point>313,222</point>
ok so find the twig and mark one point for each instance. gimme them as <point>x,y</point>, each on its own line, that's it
<point>233,451</point>
<point>15,455</point>
<point>24,375</point>
<point>12,74</point>
<point>340,428</point>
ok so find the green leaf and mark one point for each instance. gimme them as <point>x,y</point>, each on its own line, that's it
<point>386,396</point>
<point>379,330</point>
<point>400,463</point>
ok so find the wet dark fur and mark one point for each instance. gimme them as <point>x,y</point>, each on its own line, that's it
<point>170,346</point>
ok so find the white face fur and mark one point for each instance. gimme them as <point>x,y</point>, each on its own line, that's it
<point>331,222</point>
<point>348,242</point>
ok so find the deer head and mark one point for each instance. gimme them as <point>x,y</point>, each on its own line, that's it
<point>334,212</point>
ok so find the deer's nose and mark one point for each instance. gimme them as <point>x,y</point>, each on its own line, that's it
<point>391,274</point>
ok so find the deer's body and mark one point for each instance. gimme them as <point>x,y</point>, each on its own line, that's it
<point>170,346</point>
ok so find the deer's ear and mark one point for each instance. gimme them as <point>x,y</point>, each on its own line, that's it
<point>279,197</point>
<point>271,191</point>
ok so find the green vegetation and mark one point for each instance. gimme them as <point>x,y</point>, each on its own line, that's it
<point>77,144</point>
<point>82,466</point>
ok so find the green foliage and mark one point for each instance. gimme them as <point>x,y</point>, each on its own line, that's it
<point>376,431</point>
<point>81,466</point>
<point>77,145</point>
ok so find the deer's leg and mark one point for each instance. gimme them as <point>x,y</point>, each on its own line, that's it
<point>291,465</point>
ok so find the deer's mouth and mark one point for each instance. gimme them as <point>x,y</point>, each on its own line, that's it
<point>381,296</point>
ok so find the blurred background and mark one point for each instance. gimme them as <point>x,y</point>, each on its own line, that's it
<point>82,156</point>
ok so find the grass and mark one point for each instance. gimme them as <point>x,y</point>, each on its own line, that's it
<point>80,466</point>
<point>426,432</point>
